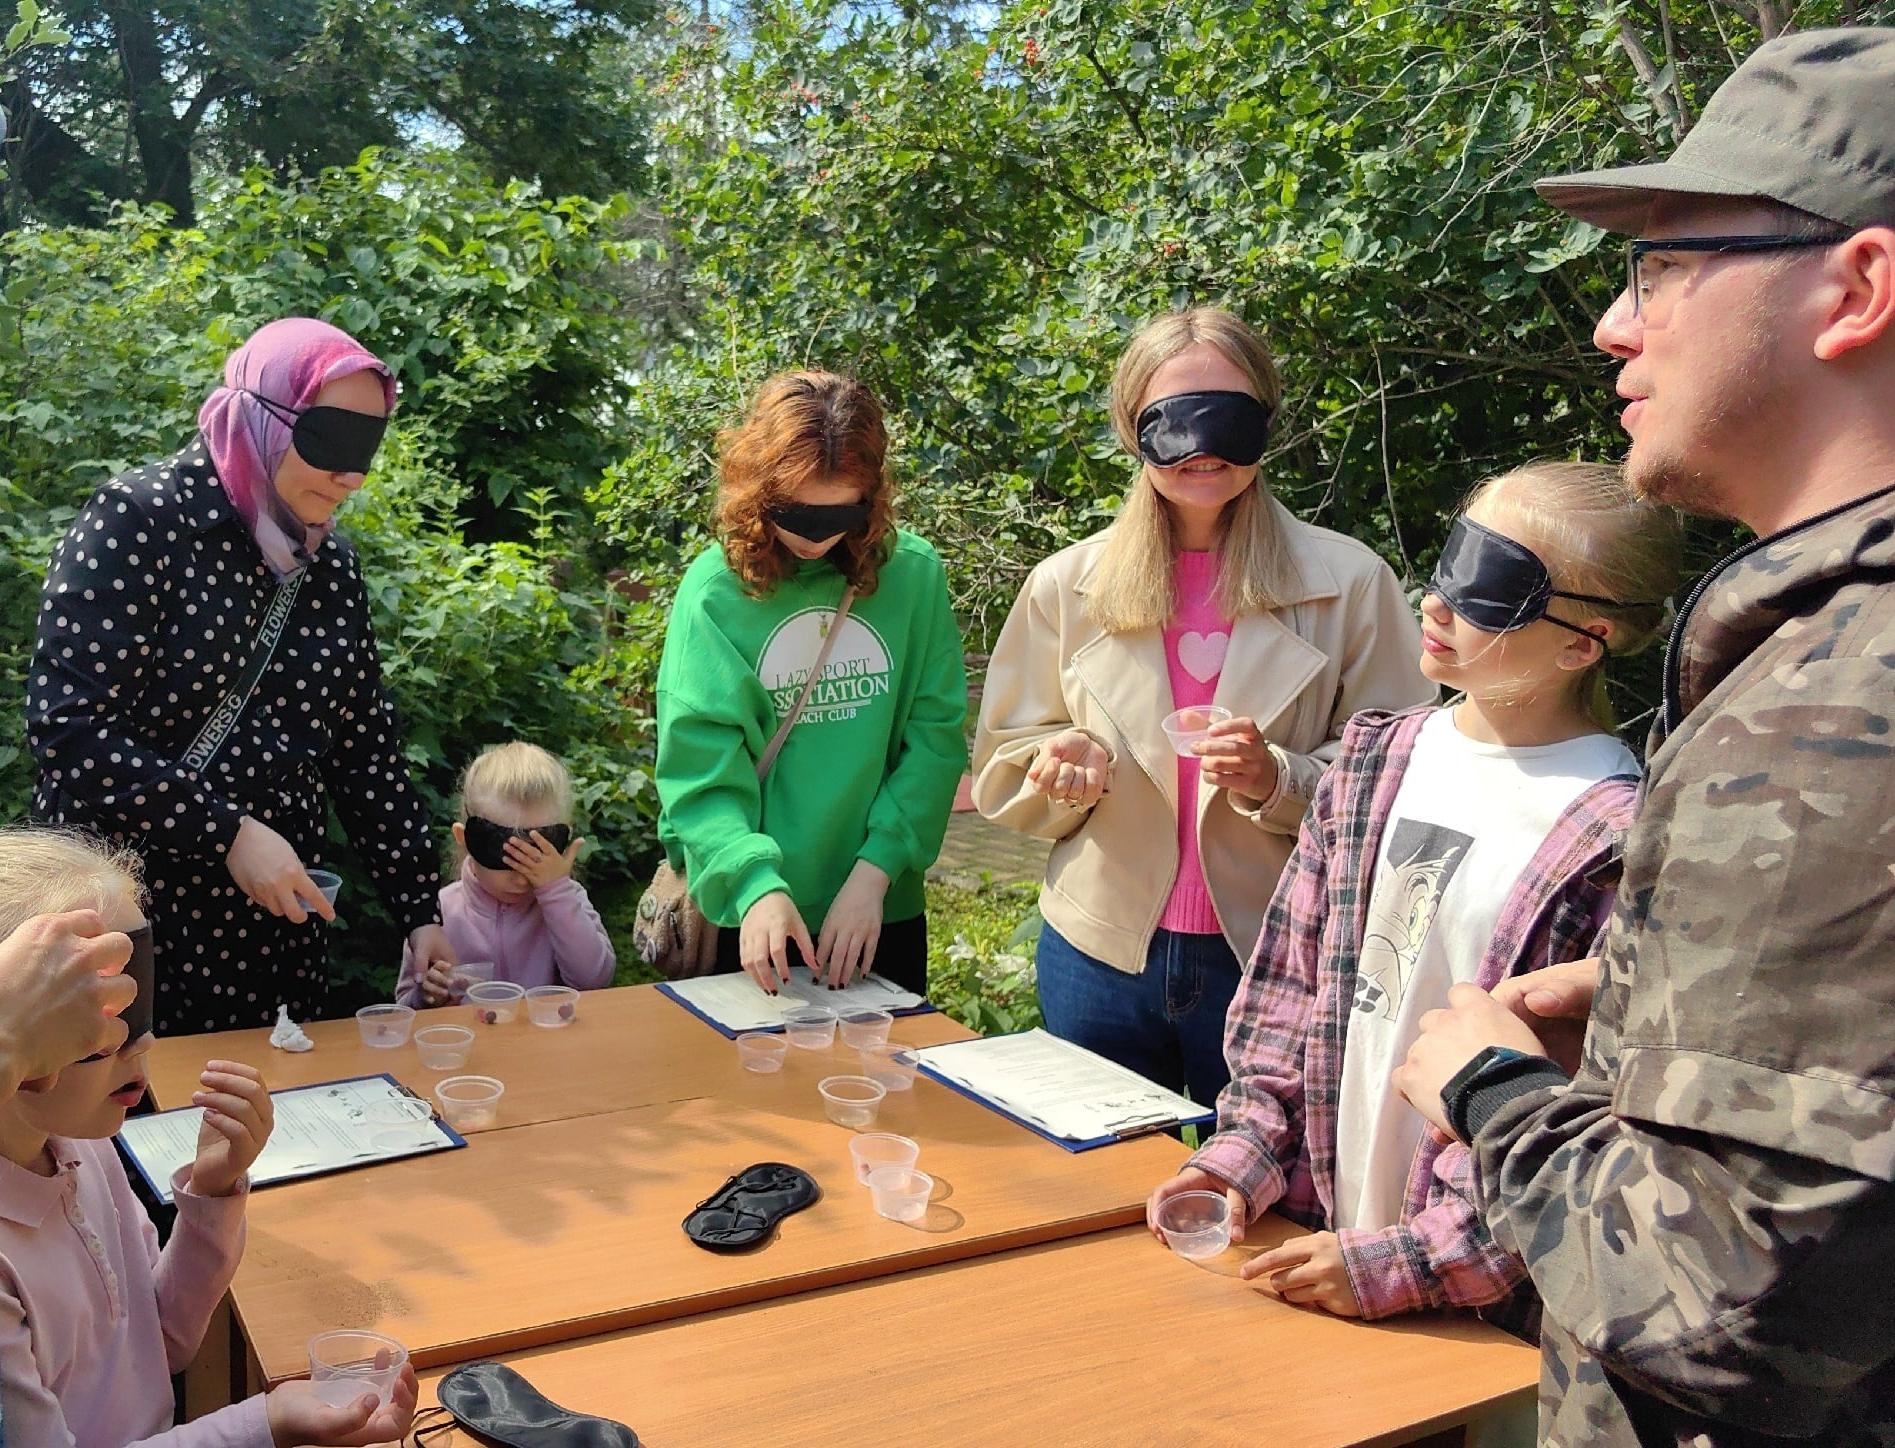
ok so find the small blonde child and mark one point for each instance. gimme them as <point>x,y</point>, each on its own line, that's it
<point>1462,844</point>
<point>516,903</point>
<point>94,1319</point>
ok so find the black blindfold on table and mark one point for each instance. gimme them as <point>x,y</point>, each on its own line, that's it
<point>1233,426</point>
<point>1499,585</point>
<point>487,841</point>
<point>331,439</point>
<point>141,971</point>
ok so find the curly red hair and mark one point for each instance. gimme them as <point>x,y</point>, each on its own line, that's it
<point>804,427</point>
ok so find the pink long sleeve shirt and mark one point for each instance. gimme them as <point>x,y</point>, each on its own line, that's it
<point>94,1319</point>
<point>551,937</point>
<point>1195,641</point>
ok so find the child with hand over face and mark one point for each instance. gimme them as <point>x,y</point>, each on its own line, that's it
<point>516,904</point>
<point>94,1318</point>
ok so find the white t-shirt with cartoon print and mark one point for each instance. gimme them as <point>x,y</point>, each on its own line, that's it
<point>1465,822</point>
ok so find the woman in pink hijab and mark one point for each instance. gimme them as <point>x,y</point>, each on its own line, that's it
<point>205,685</point>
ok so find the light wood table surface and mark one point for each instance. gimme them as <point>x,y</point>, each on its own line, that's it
<point>631,1046</point>
<point>552,1231</point>
<point>1105,1339</point>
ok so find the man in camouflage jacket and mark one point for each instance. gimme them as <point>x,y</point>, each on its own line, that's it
<point>1708,1208</point>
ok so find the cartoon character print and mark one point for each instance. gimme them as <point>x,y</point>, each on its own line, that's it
<point>1422,861</point>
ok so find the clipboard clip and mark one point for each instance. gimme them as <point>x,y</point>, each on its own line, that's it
<point>434,1112</point>
<point>1125,1131</point>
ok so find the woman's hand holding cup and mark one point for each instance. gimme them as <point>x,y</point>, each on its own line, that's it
<point>267,868</point>
<point>1235,756</point>
<point>1073,768</point>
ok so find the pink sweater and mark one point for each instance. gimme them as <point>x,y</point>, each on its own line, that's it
<point>94,1319</point>
<point>1195,641</point>
<point>551,937</point>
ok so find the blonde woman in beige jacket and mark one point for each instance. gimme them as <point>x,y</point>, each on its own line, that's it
<point>1204,593</point>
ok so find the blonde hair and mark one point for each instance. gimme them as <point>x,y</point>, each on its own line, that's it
<point>1133,587</point>
<point>45,871</point>
<point>1595,535</point>
<point>518,773</point>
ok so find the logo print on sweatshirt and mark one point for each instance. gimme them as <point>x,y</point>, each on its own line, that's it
<point>857,674</point>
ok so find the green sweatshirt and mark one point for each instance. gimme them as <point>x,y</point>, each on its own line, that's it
<point>869,771</point>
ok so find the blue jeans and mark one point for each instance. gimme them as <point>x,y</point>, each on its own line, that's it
<point>1167,1023</point>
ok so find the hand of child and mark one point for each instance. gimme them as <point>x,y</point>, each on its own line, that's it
<point>300,1419</point>
<point>1236,757</point>
<point>1196,1179</point>
<point>238,1115</point>
<point>853,927</point>
<point>438,984</point>
<point>763,941</point>
<point>538,861</point>
<point>1071,767</point>
<point>1308,1271</point>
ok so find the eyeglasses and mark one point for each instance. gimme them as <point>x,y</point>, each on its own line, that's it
<point>1636,250</point>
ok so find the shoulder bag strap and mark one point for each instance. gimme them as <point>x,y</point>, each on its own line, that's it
<point>782,735</point>
<point>222,722</point>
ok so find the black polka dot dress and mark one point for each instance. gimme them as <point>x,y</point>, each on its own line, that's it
<point>152,603</point>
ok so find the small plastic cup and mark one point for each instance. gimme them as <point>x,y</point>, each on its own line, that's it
<point>470,973</point>
<point>444,1048</point>
<point>865,1027</point>
<point>327,881</point>
<point>876,1149</point>
<point>552,1005</point>
<point>851,1100</point>
<point>470,1103</point>
<point>900,1193</point>
<point>813,1028</point>
<point>397,1123</point>
<point>762,1051</point>
<point>385,1027</point>
<point>347,1366</point>
<point>890,1066</point>
<point>1196,1224</point>
<point>1185,727</point>
<point>495,1002</point>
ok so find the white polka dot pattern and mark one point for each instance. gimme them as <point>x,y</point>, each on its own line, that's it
<point>150,607</point>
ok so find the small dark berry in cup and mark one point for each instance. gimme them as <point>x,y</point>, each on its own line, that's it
<point>490,1016</point>
<point>565,1013</point>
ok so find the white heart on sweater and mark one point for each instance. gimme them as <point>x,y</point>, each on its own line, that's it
<point>1203,655</point>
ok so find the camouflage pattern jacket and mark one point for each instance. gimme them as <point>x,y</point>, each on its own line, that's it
<point>1708,1210</point>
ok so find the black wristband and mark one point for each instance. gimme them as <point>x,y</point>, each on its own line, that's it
<point>1489,1081</point>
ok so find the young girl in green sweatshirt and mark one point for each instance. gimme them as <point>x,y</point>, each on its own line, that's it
<point>821,862</point>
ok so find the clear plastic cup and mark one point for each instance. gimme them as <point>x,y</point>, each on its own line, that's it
<point>470,1103</point>
<point>890,1066</point>
<point>397,1123</point>
<point>1185,727</point>
<point>327,881</point>
<point>762,1051</point>
<point>861,1027</point>
<point>444,1048</point>
<point>347,1366</point>
<point>385,1027</point>
<point>552,1005</point>
<point>900,1193</point>
<point>876,1149</point>
<point>813,1028</point>
<point>495,1002</point>
<point>470,973</point>
<point>1196,1224</point>
<point>851,1100</point>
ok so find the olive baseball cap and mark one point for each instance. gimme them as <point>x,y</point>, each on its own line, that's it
<point>1807,120</point>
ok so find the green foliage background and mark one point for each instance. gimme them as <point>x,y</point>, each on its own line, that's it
<point>970,207</point>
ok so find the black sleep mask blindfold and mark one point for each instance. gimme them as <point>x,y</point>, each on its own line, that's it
<point>487,841</point>
<point>330,439</point>
<point>1499,585</point>
<point>1233,426</point>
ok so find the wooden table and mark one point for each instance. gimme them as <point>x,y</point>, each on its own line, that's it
<point>569,1227</point>
<point>632,1046</point>
<point>1106,1339</point>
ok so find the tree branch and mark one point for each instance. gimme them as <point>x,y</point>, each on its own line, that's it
<point>1671,65</point>
<point>1641,60</point>
<point>1110,82</point>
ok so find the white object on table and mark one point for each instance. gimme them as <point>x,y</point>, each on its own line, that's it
<point>288,1036</point>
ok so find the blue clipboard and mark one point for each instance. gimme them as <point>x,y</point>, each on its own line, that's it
<point>664,988</point>
<point>1143,1128</point>
<point>161,1192</point>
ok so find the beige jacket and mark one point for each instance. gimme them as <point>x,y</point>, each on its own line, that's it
<point>1349,641</point>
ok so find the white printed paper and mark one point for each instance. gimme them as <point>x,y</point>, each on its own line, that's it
<point>1065,1090</point>
<point>318,1129</point>
<point>738,1003</point>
